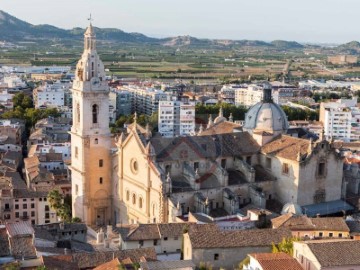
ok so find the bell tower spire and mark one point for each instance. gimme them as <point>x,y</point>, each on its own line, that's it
<point>91,137</point>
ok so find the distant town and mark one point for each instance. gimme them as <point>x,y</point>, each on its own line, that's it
<point>105,170</point>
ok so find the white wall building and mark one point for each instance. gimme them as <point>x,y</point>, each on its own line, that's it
<point>248,96</point>
<point>50,95</point>
<point>176,118</point>
<point>338,119</point>
<point>146,100</point>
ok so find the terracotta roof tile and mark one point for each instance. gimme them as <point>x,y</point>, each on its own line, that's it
<point>278,261</point>
<point>286,147</point>
<point>220,128</point>
<point>336,253</point>
<point>305,223</point>
<point>241,238</point>
<point>93,259</point>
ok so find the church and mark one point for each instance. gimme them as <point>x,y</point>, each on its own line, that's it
<point>141,177</point>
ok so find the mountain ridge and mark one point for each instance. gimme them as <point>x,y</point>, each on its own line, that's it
<point>13,29</point>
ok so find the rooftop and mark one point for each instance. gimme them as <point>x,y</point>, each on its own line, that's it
<point>278,261</point>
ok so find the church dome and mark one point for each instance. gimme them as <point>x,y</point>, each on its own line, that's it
<point>266,116</point>
<point>291,208</point>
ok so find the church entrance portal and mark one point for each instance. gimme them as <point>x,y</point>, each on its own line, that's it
<point>100,216</point>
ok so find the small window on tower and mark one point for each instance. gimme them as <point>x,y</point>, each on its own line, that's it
<point>101,163</point>
<point>100,180</point>
<point>95,111</point>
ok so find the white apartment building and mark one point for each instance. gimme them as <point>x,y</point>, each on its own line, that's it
<point>227,93</point>
<point>338,119</point>
<point>176,118</point>
<point>50,95</point>
<point>146,100</point>
<point>248,96</point>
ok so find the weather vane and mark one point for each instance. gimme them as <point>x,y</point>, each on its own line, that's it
<point>90,18</point>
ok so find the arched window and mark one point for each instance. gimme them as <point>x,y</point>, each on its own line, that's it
<point>134,199</point>
<point>96,141</point>
<point>92,69</point>
<point>127,195</point>
<point>95,111</point>
<point>140,202</point>
<point>78,112</point>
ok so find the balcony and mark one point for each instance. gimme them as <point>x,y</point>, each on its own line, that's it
<point>7,209</point>
<point>24,217</point>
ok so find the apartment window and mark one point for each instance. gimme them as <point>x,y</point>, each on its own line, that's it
<point>47,215</point>
<point>17,214</point>
<point>268,163</point>
<point>24,206</point>
<point>330,234</point>
<point>33,205</point>
<point>16,206</point>
<point>285,168</point>
<point>340,235</point>
<point>101,162</point>
<point>76,152</point>
<point>33,213</point>
<point>165,238</point>
<point>155,242</point>
<point>321,234</point>
<point>141,243</point>
<point>47,208</point>
<point>100,180</point>
<point>321,169</point>
<point>216,256</point>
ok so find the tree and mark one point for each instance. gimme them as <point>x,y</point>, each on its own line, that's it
<point>56,201</point>
<point>286,246</point>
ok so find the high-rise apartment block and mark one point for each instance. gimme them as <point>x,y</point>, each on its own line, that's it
<point>176,118</point>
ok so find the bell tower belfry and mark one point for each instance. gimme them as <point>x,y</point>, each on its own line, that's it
<point>90,138</point>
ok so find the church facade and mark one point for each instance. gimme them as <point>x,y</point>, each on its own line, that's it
<point>140,177</point>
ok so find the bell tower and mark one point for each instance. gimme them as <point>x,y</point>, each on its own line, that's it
<point>90,138</point>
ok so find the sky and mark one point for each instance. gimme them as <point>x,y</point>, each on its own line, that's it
<point>318,21</point>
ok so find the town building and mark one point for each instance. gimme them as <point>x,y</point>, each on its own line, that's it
<point>341,119</point>
<point>176,118</point>
<point>328,254</point>
<point>50,95</point>
<point>313,228</point>
<point>342,59</point>
<point>272,261</point>
<point>248,95</point>
<point>146,100</point>
<point>226,249</point>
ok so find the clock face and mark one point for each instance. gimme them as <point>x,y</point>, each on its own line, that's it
<point>95,81</point>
